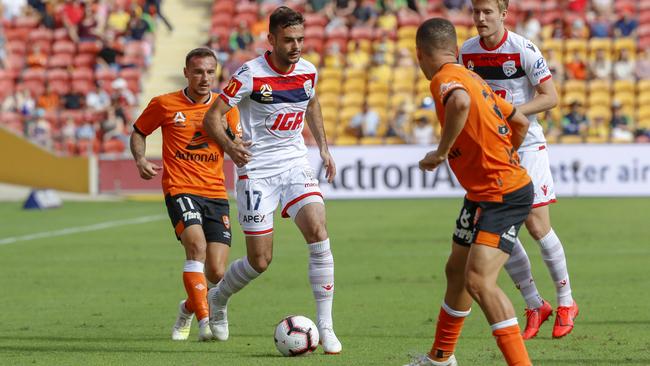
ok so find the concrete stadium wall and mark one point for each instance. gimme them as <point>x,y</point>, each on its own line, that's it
<point>24,163</point>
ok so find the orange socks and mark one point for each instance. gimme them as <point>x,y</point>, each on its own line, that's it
<point>450,324</point>
<point>196,287</point>
<point>512,345</point>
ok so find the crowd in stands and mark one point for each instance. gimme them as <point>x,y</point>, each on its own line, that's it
<point>71,70</point>
<point>372,92</point>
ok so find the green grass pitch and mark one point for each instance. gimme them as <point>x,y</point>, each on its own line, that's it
<point>109,297</point>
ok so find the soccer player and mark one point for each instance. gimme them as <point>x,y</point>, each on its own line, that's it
<point>479,137</point>
<point>516,70</point>
<point>193,183</point>
<point>276,94</point>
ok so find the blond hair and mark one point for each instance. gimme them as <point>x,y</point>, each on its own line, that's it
<point>501,4</point>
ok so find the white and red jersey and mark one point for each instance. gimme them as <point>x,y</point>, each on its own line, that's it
<point>512,69</point>
<point>272,109</point>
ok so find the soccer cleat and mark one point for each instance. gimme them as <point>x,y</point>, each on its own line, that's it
<point>218,316</point>
<point>424,360</point>
<point>205,333</point>
<point>535,318</point>
<point>181,329</point>
<point>328,340</point>
<point>565,315</point>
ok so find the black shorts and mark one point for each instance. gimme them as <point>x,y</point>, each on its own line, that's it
<point>212,214</point>
<point>495,224</point>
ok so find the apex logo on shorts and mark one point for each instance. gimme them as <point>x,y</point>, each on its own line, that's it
<point>288,121</point>
<point>511,235</point>
<point>253,218</point>
<point>179,119</point>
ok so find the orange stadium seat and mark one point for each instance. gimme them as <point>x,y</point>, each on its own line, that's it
<point>58,75</point>
<point>223,7</point>
<point>312,19</point>
<point>41,34</point>
<point>88,47</point>
<point>62,60</point>
<point>359,33</point>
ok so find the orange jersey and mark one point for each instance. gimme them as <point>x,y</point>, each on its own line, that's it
<point>482,157</point>
<point>192,161</point>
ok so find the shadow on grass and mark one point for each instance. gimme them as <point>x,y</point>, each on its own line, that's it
<point>590,362</point>
<point>93,349</point>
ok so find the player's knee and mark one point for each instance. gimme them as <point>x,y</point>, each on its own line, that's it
<point>195,249</point>
<point>316,232</point>
<point>214,275</point>
<point>537,228</point>
<point>475,285</point>
<point>260,263</point>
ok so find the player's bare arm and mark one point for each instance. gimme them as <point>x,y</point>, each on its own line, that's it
<point>315,124</point>
<point>519,125</point>
<point>216,125</point>
<point>545,99</point>
<point>146,168</point>
<point>456,112</point>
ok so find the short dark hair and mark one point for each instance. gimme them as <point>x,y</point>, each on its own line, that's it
<point>199,52</point>
<point>284,17</point>
<point>436,34</point>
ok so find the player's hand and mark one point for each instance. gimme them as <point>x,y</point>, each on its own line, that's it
<point>239,153</point>
<point>432,159</point>
<point>147,169</point>
<point>330,167</point>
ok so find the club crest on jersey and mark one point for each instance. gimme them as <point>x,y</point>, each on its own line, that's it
<point>509,68</point>
<point>226,221</point>
<point>308,88</point>
<point>470,65</point>
<point>267,93</point>
<point>503,129</point>
<point>179,119</point>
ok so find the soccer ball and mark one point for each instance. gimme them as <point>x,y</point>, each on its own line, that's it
<point>296,335</point>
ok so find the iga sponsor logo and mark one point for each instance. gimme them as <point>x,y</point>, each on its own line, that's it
<point>290,121</point>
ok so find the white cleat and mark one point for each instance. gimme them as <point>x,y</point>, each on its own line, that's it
<point>181,329</point>
<point>328,340</point>
<point>218,316</point>
<point>424,360</point>
<point>205,333</point>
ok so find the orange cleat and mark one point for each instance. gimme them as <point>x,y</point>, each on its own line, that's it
<point>564,320</point>
<point>535,318</point>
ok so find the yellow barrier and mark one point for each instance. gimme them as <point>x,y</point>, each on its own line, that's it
<point>24,163</point>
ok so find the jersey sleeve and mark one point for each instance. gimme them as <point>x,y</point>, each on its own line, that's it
<point>507,109</point>
<point>534,64</point>
<point>151,118</point>
<point>232,117</point>
<point>442,87</point>
<point>239,86</point>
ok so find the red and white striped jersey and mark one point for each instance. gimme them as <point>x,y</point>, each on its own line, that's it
<point>512,69</point>
<point>272,109</point>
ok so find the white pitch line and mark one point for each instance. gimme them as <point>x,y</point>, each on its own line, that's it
<point>81,229</point>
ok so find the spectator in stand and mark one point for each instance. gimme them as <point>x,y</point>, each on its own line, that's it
<point>365,123</point>
<point>42,131</point>
<point>240,38</point>
<point>550,125</point>
<point>620,125</point>
<point>118,19</point>
<point>555,65</point>
<point>576,68</point>
<point>85,131</point>
<point>530,27</point>
<point>316,6</point>
<point>422,132</point>
<point>558,30</point>
<point>602,6</point>
<point>49,100</point>
<point>112,127</point>
<point>600,67</point>
<point>25,103</point>
<point>577,6</point>
<point>138,28</point>
<point>13,8</point>
<point>73,100</point>
<point>111,48</point>
<point>386,19</point>
<point>333,56</point>
<point>3,51</point>
<point>37,59</point>
<point>122,96</point>
<point>455,5</point>
<point>401,119</point>
<point>365,13</point>
<point>600,27</point>
<point>626,25</point>
<point>578,29</point>
<point>598,128</point>
<point>624,67</point>
<point>87,30</point>
<point>72,13</point>
<point>155,8</point>
<point>575,123</point>
<point>643,65</point>
<point>49,17</point>
<point>68,136</point>
<point>98,99</point>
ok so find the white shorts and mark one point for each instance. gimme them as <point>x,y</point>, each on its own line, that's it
<point>539,170</point>
<point>257,198</point>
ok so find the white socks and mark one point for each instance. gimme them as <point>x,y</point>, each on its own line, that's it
<point>321,278</point>
<point>553,255</point>
<point>238,275</point>
<point>518,267</point>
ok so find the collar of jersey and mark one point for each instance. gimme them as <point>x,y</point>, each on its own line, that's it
<point>186,95</point>
<point>267,57</point>
<point>501,42</point>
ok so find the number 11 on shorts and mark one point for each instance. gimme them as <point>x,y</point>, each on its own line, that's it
<point>257,196</point>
